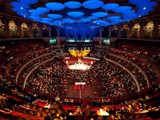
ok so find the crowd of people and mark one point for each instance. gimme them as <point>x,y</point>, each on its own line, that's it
<point>41,72</point>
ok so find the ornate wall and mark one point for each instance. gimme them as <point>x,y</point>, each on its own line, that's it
<point>139,29</point>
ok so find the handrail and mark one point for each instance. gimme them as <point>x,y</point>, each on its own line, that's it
<point>137,84</point>
<point>144,74</point>
<point>27,63</point>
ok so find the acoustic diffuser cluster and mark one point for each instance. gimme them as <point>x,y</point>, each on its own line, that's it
<point>90,13</point>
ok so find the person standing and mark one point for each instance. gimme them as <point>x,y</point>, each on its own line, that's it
<point>87,112</point>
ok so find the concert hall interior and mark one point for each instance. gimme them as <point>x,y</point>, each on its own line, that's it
<point>79,59</point>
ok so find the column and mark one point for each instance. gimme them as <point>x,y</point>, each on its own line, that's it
<point>101,30</point>
<point>119,31</point>
<point>110,31</point>
<point>30,30</point>
<point>7,28</point>
<point>142,30</point>
<point>39,30</point>
<point>19,30</point>
<point>129,33</point>
<point>155,29</point>
<point>49,31</point>
<point>58,32</point>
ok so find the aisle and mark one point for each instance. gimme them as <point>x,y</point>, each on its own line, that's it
<point>73,93</point>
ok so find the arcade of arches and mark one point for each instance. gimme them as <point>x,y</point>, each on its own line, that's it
<point>149,29</point>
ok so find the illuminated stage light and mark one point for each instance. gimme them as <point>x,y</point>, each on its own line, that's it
<point>99,14</point>
<point>55,16</point>
<point>29,1</point>
<point>55,6</point>
<point>122,9</point>
<point>73,4</point>
<point>110,6</point>
<point>83,63</point>
<point>75,14</point>
<point>79,66</point>
<point>92,4</point>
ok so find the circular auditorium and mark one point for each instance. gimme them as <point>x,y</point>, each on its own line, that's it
<point>79,60</point>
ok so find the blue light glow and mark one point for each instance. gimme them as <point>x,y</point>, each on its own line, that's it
<point>43,9</point>
<point>19,5</point>
<point>69,21</point>
<point>55,6</point>
<point>75,14</point>
<point>113,22</point>
<point>99,14</point>
<point>55,16</point>
<point>100,22</point>
<point>29,1</point>
<point>90,14</point>
<point>19,9</point>
<point>36,12</point>
<point>110,6</point>
<point>113,17</point>
<point>35,17</point>
<point>92,17</point>
<point>93,27</point>
<point>122,9</point>
<point>146,5</point>
<point>23,14</point>
<point>73,4</point>
<point>46,20</point>
<point>92,4</point>
<point>138,1</point>
<point>84,20</point>
<point>143,12</point>
<point>58,23</point>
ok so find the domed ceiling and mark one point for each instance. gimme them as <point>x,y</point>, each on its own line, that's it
<point>86,13</point>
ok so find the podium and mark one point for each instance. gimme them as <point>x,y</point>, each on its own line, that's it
<point>79,86</point>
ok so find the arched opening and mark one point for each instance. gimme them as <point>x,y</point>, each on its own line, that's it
<point>114,31</point>
<point>13,29</point>
<point>2,29</point>
<point>35,30</point>
<point>24,29</point>
<point>158,33</point>
<point>135,30</point>
<point>148,30</point>
<point>45,31</point>
<point>54,32</point>
<point>124,30</point>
